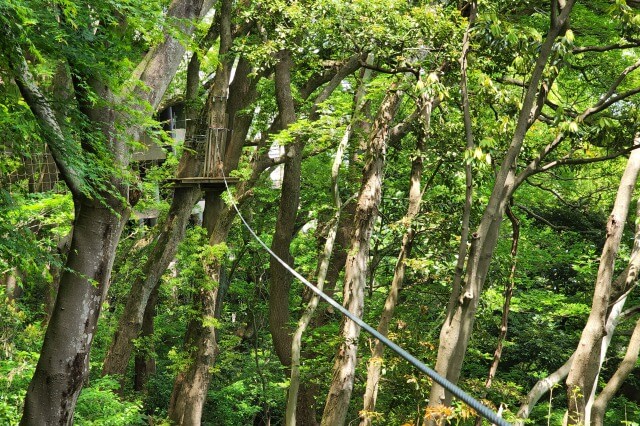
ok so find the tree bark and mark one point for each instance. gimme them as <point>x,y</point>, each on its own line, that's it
<point>280,278</point>
<point>456,331</point>
<point>162,252</point>
<point>470,145</point>
<point>191,386</point>
<point>63,364</point>
<point>415,200</point>
<point>345,225</point>
<point>326,269</point>
<point>64,359</point>
<point>586,364</point>
<point>615,382</point>
<point>337,404</point>
<point>323,266</point>
<point>145,363</point>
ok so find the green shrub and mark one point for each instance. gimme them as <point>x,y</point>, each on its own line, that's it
<point>99,405</point>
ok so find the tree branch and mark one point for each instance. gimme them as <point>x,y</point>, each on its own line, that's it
<point>396,70</point>
<point>45,115</point>
<point>351,66</point>
<point>574,161</point>
<point>607,48</point>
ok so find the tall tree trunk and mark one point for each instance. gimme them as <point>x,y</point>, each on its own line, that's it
<point>326,268</point>
<point>280,278</point>
<point>173,228</point>
<point>337,404</point>
<point>63,364</point>
<point>323,266</point>
<point>456,330</point>
<point>64,359</point>
<point>508,293</point>
<point>190,387</point>
<point>415,200</point>
<point>586,363</point>
<point>191,382</point>
<point>615,382</point>
<point>470,145</point>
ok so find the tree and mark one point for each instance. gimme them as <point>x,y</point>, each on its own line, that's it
<point>356,267</point>
<point>101,208</point>
<point>512,109</point>
<point>455,332</point>
<point>587,358</point>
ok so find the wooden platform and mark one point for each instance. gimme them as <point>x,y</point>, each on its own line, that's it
<point>206,183</point>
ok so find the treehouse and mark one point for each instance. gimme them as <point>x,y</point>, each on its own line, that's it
<point>210,152</point>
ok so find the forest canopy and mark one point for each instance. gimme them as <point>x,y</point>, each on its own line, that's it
<point>460,175</point>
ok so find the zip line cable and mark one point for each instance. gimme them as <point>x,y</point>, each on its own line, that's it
<point>480,408</point>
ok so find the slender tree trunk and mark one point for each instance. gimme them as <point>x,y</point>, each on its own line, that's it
<point>508,293</point>
<point>323,266</point>
<point>280,278</point>
<point>619,292</point>
<point>470,144</point>
<point>339,256</point>
<point>415,200</point>
<point>303,413</point>
<point>145,363</point>
<point>456,331</point>
<point>615,382</point>
<point>337,403</point>
<point>190,387</point>
<point>622,284</point>
<point>586,363</point>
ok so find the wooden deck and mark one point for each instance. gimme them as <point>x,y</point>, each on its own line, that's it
<point>205,183</point>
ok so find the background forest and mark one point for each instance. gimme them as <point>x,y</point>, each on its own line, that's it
<point>459,174</point>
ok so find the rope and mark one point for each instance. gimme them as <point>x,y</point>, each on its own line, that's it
<point>481,409</point>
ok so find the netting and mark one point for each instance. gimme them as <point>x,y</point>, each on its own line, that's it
<point>28,167</point>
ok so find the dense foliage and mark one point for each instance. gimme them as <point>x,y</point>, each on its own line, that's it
<point>586,118</point>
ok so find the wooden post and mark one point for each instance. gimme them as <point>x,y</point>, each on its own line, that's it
<point>216,141</point>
